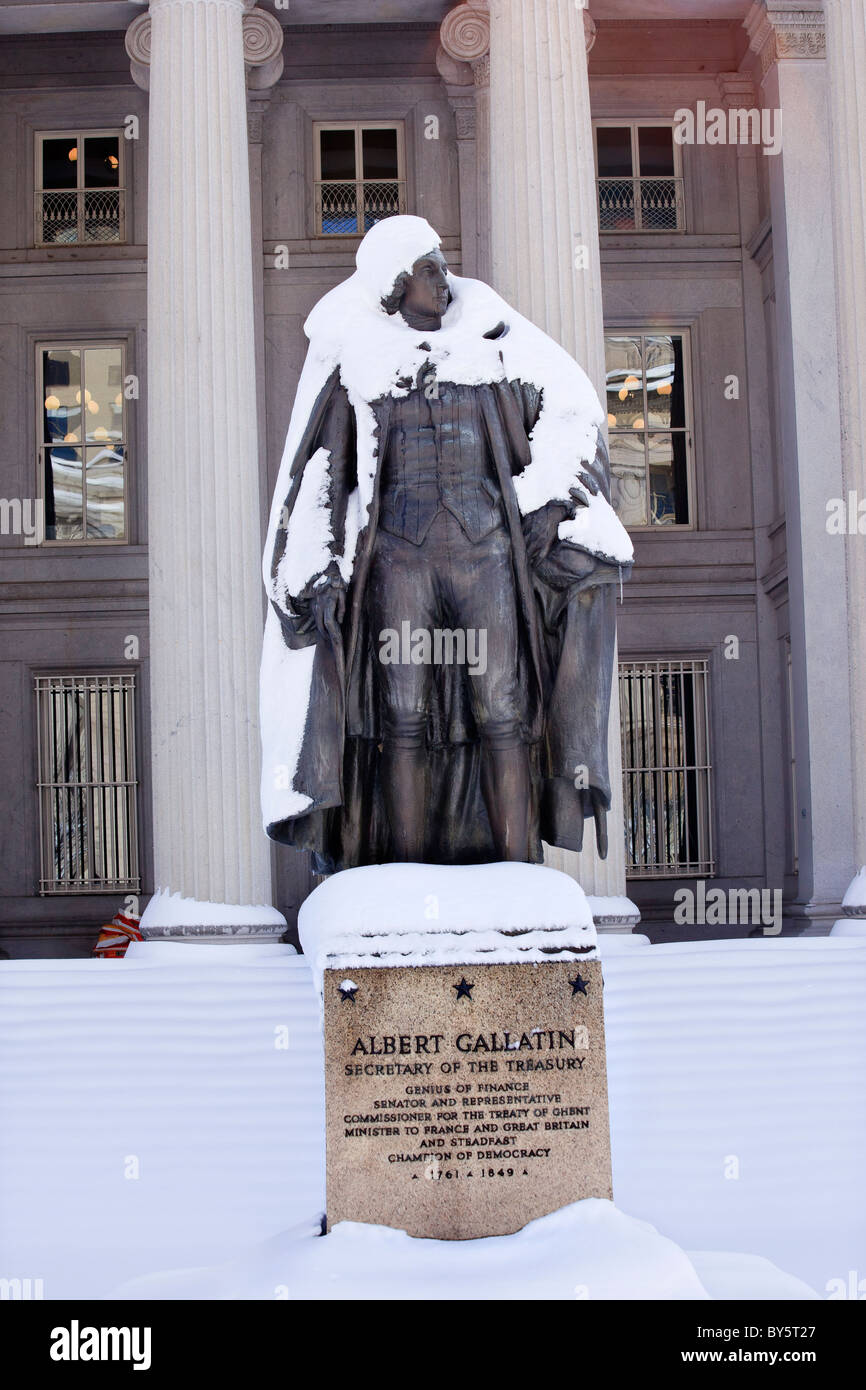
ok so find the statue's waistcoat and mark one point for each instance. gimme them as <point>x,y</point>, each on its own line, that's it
<point>437,456</point>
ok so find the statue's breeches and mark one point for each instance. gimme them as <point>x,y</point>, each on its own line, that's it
<point>447,601</point>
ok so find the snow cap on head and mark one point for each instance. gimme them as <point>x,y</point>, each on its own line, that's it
<point>390,248</point>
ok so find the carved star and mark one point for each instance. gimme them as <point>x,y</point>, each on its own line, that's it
<point>578,985</point>
<point>464,990</point>
<point>348,991</point>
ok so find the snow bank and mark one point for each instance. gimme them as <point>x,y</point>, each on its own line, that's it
<point>737,1079</point>
<point>161,1110</point>
<point>589,1250</point>
<point>435,914</point>
<point>725,1275</point>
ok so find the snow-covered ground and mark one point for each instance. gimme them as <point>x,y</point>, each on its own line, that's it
<point>589,1250</point>
<point>166,1111</point>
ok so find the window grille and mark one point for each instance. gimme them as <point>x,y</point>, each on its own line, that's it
<point>79,193</point>
<point>639,173</point>
<point>641,205</point>
<point>359,175</point>
<point>667,772</point>
<point>87,783</point>
<point>338,202</point>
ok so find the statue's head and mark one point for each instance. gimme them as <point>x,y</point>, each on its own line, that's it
<point>422,294</point>
<point>404,270</point>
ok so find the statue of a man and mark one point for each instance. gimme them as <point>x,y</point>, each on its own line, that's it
<point>439,646</point>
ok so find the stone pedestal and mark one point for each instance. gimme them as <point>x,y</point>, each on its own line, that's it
<point>465,1078</point>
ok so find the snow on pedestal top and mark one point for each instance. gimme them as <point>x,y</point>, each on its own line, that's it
<point>435,914</point>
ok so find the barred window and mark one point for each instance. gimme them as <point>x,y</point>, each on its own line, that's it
<point>360,177</point>
<point>649,413</point>
<point>80,194</point>
<point>667,774</point>
<point>82,441</point>
<point>640,185</point>
<point>87,783</point>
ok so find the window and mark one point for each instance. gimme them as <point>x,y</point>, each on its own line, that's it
<point>640,186</point>
<point>648,415</point>
<point>79,187</point>
<point>82,441</point>
<point>359,176</point>
<point>664,725</point>
<point>87,783</point>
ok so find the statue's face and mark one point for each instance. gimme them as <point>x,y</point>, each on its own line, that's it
<point>426,293</point>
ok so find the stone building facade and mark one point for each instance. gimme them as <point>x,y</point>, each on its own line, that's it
<point>709,273</point>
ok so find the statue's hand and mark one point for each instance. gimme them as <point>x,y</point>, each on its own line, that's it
<point>325,608</point>
<point>329,607</point>
<point>599,813</point>
<point>540,530</point>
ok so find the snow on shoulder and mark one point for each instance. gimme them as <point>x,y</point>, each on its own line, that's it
<point>436,914</point>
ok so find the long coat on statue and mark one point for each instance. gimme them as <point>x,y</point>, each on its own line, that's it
<point>320,715</point>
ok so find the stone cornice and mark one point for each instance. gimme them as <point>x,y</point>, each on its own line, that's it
<point>736,89</point>
<point>779,30</point>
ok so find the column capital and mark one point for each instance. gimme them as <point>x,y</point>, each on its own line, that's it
<point>481,70</point>
<point>464,45</point>
<point>782,29</point>
<point>137,43</point>
<point>263,43</point>
<point>465,31</point>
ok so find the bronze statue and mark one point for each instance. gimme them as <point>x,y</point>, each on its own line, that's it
<point>440,568</point>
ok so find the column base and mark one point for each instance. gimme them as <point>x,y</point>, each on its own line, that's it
<point>613,914</point>
<point>169,917</point>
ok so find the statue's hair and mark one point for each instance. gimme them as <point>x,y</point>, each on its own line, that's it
<point>391,302</point>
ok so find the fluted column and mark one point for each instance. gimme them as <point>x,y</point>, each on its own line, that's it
<point>204,513</point>
<point>846,58</point>
<point>463,60</point>
<point>542,173</point>
<point>789,38</point>
<point>545,251</point>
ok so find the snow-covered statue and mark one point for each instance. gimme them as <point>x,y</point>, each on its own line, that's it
<point>441,567</point>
